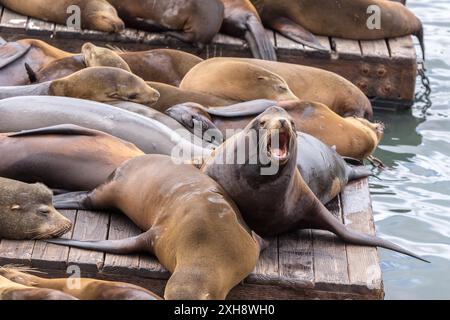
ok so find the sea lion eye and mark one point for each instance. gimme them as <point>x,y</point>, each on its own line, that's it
<point>133,96</point>
<point>283,88</point>
<point>262,122</point>
<point>44,211</point>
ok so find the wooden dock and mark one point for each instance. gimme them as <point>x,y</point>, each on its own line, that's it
<point>301,265</point>
<point>385,70</point>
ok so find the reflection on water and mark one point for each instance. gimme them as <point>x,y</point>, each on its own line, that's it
<point>412,200</point>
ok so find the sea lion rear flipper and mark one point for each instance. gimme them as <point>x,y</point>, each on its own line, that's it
<point>322,219</point>
<point>73,201</point>
<point>63,129</point>
<point>11,51</point>
<point>297,33</point>
<point>258,40</point>
<point>130,245</point>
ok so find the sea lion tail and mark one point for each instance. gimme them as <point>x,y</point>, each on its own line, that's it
<point>326,221</point>
<point>258,40</point>
<point>123,246</point>
<point>31,73</point>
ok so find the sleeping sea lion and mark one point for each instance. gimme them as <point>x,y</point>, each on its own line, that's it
<point>27,212</point>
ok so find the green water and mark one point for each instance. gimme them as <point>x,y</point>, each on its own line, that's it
<point>412,201</point>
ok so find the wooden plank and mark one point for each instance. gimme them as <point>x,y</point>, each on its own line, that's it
<point>346,48</point>
<point>267,270</point>
<point>363,262</point>
<point>402,48</point>
<point>287,44</point>
<point>47,255</point>
<point>12,22</point>
<point>330,257</point>
<point>120,228</point>
<point>375,48</point>
<point>16,252</point>
<point>89,226</point>
<point>39,27</point>
<point>149,267</point>
<point>295,256</point>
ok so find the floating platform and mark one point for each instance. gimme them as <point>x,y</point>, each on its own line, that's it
<point>302,265</point>
<point>385,70</point>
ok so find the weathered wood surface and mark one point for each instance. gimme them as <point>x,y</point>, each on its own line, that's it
<point>385,70</point>
<point>300,265</point>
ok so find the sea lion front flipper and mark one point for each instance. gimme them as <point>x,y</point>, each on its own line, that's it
<point>358,172</point>
<point>11,51</point>
<point>258,40</point>
<point>63,129</point>
<point>137,244</point>
<point>297,33</point>
<point>73,201</point>
<point>242,109</point>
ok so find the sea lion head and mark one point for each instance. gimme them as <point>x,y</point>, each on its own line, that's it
<point>276,135</point>
<point>194,118</point>
<point>105,84</point>
<point>27,212</point>
<point>102,57</point>
<point>374,130</point>
<point>100,15</point>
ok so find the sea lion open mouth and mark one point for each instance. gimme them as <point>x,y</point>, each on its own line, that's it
<point>279,151</point>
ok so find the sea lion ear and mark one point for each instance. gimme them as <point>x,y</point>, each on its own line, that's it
<point>262,244</point>
<point>15,207</point>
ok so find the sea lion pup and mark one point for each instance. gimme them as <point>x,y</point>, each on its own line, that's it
<point>195,21</point>
<point>98,84</point>
<point>189,223</point>
<point>352,137</point>
<point>14,55</point>
<point>65,157</point>
<point>306,83</point>
<point>88,289</point>
<point>27,212</point>
<point>350,19</point>
<point>102,57</point>
<point>268,188</point>
<point>160,65</point>
<point>149,135</point>
<point>243,21</point>
<point>236,80</point>
<point>10,290</point>
<point>95,14</point>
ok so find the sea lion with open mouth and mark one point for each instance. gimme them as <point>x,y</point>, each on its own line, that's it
<point>189,223</point>
<point>27,212</point>
<point>267,186</point>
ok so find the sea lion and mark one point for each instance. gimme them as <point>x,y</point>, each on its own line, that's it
<point>14,55</point>
<point>95,14</point>
<point>97,83</point>
<point>242,20</point>
<point>300,19</point>
<point>268,187</point>
<point>159,65</point>
<point>150,136</point>
<point>236,80</point>
<point>27,212</point>
<point>195,21</point>
<point>95,56</point>
<point>187,220</point>
<point>352,137</point>
<point>10,290</point>
<point>65,157</point>
<point>306,83</point>
<point>88,289</point>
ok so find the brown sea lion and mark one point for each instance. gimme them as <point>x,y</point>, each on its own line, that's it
<point>160,65</point>
<point>66,157</point>
<point>27,212</point>
<point>235,80</point>
<point>95,56</point>
<point>195,21</point>
<point>86,289</point>
<point>267,186</point>
<point>95,14</point>
<point>98,83</point>
<point>10,290</point>
<point>306,83</point>
<point>352,137</point>
<point>242,20</point>
<point>188,222</point>
<point>14,55</point>
<point>350,19</point>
